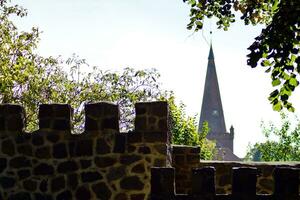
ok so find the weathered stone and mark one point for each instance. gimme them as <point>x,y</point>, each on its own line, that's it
<point>44,186</point>
<point>121,196</point>
<point>62,124</point>
<point>83,193</point>
<point>203,181</point>
<point>137,196</point>
<point>131,148</point>
<point>120,142</point>
<point>102,146</point>
<point>162,182</point>
<point>102,191</point>
<point>266,183</point>
<point>23,173</point>
<point>21,139</point>
<point>43,152</point>
<point>134,137</point>
<point>45,123</point>
<point>67,167</point>
<point>129,159</point>
<point>53,137</point>
<point>144,150</point>
<point>224,180</point>
<point>65,195</point>
<point>39,196</point>
<point>156,137</point>
<point>60,150</point>
<point>3,164</point>
<point>43,169</point>
<point>25,150</point>
<point>91,124</point>
<point>131,183</point>
<point>161,148</point>
<point>30,185</point>
<point>115,173</point>
<point>19,162</point>
<point>2,123</point>
<point>72,181</point>
<point>90,176</point>
<point>139,168</point>
<point>85,164</point>
<point>20,196</point>
<point>84,148</point>
<point>15,123</point>
<point>37,140</point>
<point>58,184</point>
<point>159,162</point>
<point>7,182</point>
<point>110,123</point>
<point>106,161</point>
<point>140,110</point>
<point>193,158</point>
<point>8,147</point>
<point>140,123</point>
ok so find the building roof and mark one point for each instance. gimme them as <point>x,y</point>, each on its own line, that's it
<point>212,110</point>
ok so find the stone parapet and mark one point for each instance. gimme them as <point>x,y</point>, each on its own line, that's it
<point>101,163</point>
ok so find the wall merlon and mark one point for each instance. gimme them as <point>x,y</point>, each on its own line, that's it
<point>12,118</point>
<point>55,117</point>
<point>152,116</point>
<point>102,116</point>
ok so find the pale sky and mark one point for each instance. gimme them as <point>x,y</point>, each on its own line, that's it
<point>152,34</point>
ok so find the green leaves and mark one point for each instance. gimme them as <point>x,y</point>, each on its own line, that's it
<point>282,142</point>
<point>184,130</point>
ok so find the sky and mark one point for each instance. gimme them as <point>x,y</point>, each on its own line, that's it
<point>152,34</point>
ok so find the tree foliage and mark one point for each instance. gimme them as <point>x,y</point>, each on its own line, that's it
<point>276,48</point>
<point>282,144</point>
<point>184,131</point>
<point>29,79</point>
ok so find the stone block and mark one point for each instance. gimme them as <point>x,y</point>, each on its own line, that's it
<point>12,118</point>
<point>244,183</point>
<point>203,182</point>
<point>55,117</point>
<point>102,116</point>
<point>131,183</point>
<point>286,183</point>
<point>151,116</point>
<point>162,183</point>
<point>102,191</point>
<point>120,143</point>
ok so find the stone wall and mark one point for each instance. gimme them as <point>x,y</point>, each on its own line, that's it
<point>186,158</point>
<point>101,163</point>
<point>244,179</point>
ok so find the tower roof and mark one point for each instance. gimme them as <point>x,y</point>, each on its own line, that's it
<point>212,110</point>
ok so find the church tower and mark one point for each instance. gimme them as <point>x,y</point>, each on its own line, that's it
<point>212,112</point>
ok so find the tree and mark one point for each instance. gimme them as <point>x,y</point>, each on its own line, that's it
<point>29,79</point>
<point>282,144</point>
<point>276,48</point>
<point>184,131</point>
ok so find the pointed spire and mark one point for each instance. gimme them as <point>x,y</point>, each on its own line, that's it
<point>212,110</point>
<point>211,53</point>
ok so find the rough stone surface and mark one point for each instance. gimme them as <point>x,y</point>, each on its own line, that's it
<point>131,183</point>
<point>102,191</point>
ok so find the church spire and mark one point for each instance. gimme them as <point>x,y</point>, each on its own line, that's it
<point>212,110</point>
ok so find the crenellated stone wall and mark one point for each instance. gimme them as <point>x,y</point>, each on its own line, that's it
<point>101,163</point>
<point>186,158</point>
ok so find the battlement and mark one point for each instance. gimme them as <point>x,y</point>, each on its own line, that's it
<point>99,117</point>
<point>99,163</point>
<point>286,184</point>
